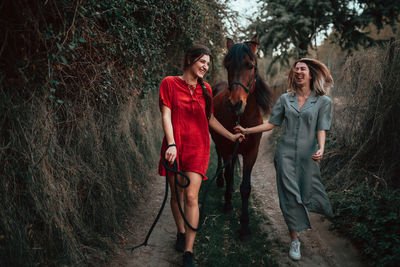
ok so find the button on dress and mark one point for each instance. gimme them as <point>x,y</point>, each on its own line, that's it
<point>298,176</point>
<point>189,123</point>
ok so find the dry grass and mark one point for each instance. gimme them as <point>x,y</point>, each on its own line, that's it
<point>69,190</point>
<point>365,126</point>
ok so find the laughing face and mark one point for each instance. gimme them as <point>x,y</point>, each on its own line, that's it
<point>302,76</point>
<point>200,67</point>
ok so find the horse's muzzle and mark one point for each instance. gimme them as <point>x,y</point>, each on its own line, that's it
<point>237,108</point>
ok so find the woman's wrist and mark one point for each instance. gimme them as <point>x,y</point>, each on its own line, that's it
<point>171,144</point>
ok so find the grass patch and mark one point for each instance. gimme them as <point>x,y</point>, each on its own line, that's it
<point>218,244</point>
<point>370,217</point>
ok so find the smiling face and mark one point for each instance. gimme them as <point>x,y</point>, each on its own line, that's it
<point>200,66</point>
<point>302,75</point>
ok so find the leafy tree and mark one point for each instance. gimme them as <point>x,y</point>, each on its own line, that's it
<point>290,26</point>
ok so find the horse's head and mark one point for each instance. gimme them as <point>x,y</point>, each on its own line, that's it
<point>241,64</point>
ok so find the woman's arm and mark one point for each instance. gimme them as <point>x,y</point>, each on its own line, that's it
<point>219,128</point>
<point>170,153</point>
<point>266,126</point>
<point>321,137</point>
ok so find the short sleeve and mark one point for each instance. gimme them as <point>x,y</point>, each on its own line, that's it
<point>278,113</point>
<point>165,94</point>
<point>325,115</point>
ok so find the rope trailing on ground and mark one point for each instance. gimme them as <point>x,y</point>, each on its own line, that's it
<point>177,183</point>
<point>155,221</point>
<point>203,202</point>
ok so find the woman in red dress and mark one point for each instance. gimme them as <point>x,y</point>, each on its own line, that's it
<point>186,107</point>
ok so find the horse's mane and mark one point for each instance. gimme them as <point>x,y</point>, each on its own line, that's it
<point>236,54</point>
<point>262,92</point>
<point>264,95</point>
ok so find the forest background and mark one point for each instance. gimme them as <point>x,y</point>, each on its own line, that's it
<point>79,133</point>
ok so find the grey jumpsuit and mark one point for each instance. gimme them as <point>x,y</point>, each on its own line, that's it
<point>298,176</point>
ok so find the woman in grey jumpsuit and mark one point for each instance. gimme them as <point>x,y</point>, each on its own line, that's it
<point>307,112</point>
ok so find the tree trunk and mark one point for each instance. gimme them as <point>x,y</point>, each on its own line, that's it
<point>302,49</point>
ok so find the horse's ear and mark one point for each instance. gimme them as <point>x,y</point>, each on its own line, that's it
<point>253,44</point>
<point>229,43</point>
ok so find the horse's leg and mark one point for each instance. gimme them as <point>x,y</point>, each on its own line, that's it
<point>245,189</point>
<point>220,178</point>
<point>229,179</point>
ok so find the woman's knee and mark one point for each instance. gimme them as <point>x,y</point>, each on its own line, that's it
<point>191,199</point>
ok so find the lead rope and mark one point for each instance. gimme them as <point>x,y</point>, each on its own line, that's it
<point>203,202</point>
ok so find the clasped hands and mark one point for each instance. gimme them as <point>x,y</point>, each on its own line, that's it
<point>316,157</point>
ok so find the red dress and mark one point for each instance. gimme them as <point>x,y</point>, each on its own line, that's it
<point>189,124</point>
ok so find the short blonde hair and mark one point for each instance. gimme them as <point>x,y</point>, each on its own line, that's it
<point>321,79</point>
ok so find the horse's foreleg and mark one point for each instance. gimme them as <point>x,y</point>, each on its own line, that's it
<point>220,178</point>
<point>229,179</point>
<point>245,189</point>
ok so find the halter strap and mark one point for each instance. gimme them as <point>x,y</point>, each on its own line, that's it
<point>247,89</point>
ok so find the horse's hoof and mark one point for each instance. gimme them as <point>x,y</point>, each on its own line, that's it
<point>220,182</point>
<point>228,208</point>
<point>244,235</point>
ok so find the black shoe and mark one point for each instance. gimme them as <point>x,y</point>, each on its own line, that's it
<point>188,259</point>
<point>180,242</point>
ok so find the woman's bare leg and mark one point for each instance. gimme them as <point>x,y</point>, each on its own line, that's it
<point>192,207</point>
<point>293,234</point>
<point>174,205</point>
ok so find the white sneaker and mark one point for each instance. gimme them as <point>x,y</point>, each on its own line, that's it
<point>294,252</point>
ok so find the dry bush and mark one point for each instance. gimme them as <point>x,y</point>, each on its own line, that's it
<point>365,126</point>
<point>65,194</point>
<point>353,93</point>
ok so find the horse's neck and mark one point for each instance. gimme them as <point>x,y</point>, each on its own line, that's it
<point>252,106</point>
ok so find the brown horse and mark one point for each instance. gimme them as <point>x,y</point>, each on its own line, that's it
<point>246,96</point>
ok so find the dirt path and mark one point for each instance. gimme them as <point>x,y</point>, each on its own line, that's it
<point>320,247</point>
<point>160,250</point>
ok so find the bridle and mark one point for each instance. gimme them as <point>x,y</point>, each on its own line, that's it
<point>247,89</point>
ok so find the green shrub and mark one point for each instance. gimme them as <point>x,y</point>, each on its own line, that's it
<point>371,218</point>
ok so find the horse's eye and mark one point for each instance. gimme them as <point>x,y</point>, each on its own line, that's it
<point>250,66</point>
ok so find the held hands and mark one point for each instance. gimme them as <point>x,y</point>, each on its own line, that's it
<point>170,154</point>
<point>239,129</point>
<point>318,155</point>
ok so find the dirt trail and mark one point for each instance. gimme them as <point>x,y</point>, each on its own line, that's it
<point>160,251</point>
<point>320,247</point>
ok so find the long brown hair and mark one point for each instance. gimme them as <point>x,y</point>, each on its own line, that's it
<point>193,54</point>
<point>321,79</point>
